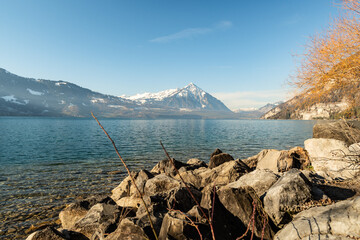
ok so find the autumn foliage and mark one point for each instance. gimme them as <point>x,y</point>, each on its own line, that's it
<point>329,69</point>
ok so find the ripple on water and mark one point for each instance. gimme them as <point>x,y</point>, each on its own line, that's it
<point>49,162</point>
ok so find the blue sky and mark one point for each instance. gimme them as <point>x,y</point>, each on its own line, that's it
<point>239,51</point>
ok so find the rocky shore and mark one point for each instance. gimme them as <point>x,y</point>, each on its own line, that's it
<point>301,193</point>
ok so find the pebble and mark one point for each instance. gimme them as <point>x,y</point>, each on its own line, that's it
<point>11,230</point>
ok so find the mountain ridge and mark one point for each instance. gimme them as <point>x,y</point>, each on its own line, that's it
<point>22,96</point>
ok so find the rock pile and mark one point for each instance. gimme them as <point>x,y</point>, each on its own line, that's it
<point>287,194</point>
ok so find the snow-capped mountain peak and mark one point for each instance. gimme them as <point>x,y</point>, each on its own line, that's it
<point>190,97</point>
<point>153,96</point>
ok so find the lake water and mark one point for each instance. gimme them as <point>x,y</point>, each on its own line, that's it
<point>48,162</point>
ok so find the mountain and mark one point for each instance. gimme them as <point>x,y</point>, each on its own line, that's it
<point>255,113</point>
<point>20,96</point>
<point>334,106</point>
<point>191,97</point>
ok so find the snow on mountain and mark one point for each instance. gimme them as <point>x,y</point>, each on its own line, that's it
<point>143,97</point>
<point>33,92</point>
<point>21,96</point>
<point>190,97</point>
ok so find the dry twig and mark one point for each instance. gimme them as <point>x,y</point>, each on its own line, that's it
<point>191,194</point>
<point>132,178</point>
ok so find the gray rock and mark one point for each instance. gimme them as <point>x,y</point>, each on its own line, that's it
<point>48,233</point>
<point>338,221</point>
<point>260,180</point>
<point>331,158</point>
<point>71,214</point>
<point>281,161</point>
<point>160,184</point>
<point>252,161</point>
<point>127,230</point>
<point>165,166</point>
<point>75,211</point>
<point>349,132</point>
<point>221,175</point>
<point>216,152</point>
<point>176,225</point>
<point>98,218</point>
<point>126,194</point>
<point>292,189</point>
<point>219,159</point>
<point>196,162</point>
<point>191,177</point>
<point>181,199</point>
<point>240,202</point>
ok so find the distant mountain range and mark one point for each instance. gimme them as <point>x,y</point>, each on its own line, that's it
<point>20,96</point>
<point>254,113</point>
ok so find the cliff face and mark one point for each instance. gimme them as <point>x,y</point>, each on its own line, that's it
<point>292,109</point>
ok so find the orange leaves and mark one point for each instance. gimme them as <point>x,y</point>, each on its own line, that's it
<point>331,63</point>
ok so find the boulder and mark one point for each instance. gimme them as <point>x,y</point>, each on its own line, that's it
<point>71,214</point>
<point>181,199</point>
<point>221,175</point>
<point>157,206</point>
<point>216,152</point>
<point>291,190</point>
<point>281,161</point>
<point>99,218</point>
<point>219,159</point>
<point>252,161</point>
<point>160,184</point>
<point>48,233</point>
<point>260,180</point>
<point>242,202</point>
<point>197,163</point>
<point>337,221</point>
<point>127,230</point>
<point>191,177</point>
<point>332,158</point>
<point>75,211</point>
<point>348,132</point>
<point>126,194</point>
<point>165,166</point>
<point>177,226</point>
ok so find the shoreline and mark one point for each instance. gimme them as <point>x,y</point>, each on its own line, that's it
<point>270,169</point>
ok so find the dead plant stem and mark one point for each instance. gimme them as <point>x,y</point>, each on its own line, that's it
<point>131,176</point>
<point>188,189</point>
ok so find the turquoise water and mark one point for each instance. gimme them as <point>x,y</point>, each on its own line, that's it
<point>47,162</point>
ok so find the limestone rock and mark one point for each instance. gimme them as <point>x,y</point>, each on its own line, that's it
<point>165,166</point>
<point>180,198</point>
<point>223,174</point>
<point>240,202</point>
<point>71,214</point>
<point>349,132</point>
<point>330,158</point>
<point>281,161</point>
<point>78,210</point>
<point>196,162</point>
<point>292,189</point>
<point>219,159</point>
<point>260,180</point>
<point>48,233</point>
<point>216,152</point>
<point>176,226</point>
<point>252,161</point>
<point>126,194</point>
<point>98,218</point>
<point>160,184</point>
<point>191,177</point>
<point>338,221</point>
<point>127,230</point>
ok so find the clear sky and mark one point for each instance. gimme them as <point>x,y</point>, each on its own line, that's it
<point>240,51</point>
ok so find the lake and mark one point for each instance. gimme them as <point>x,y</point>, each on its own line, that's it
<point>48,162</point>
